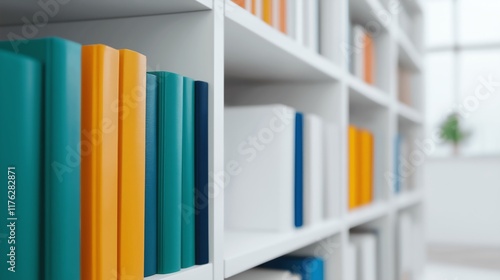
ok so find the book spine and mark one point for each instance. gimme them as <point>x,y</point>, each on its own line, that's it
<point>150,251</point>
<point>170,95</point>
<point>201,173</point>
<point>62,160</point>
<point>267,11</point>
<point>188,175</point>
<point>353,167</point>
<point>99,193</point>
<point>131,164</point>
<point>365,166</point>
<point>20,166</point>
<point>299,170</point>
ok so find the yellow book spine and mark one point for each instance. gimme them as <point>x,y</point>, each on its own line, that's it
<point>365,167</point>
<point>131,164</point>
<point>353,167</point>
<point>267,11</point>
<point>99,162</point>
<point>372,166</point>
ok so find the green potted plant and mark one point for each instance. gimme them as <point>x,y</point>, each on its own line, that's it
<point>451,131</point>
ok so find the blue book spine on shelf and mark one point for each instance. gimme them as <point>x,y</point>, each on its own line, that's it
<point>299,169</point>
<point>309,268</point>
<point>201,173</point>
<point>397,163</point>
<point>150,229</point>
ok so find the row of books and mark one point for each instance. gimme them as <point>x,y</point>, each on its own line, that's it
<point>107,165</point>
<point>362,54</point>
<point>409,234</point>
<point>404,169</point>
<point>298,19</point>
<point>361,166</point>
<point>283,159</point>
<point>362,258</point>
<point>287,268</point>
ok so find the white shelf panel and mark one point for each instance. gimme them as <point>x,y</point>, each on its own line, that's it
<point>76,10</point>
<point>203,272</point>
<point>408,54</point>
<point>363,94</point>
<point>408,115</point>
<point>246,249</point>
<point>362,12</point>
<point>367,214</point>
<point>405,200</point>
<point>256,51</point>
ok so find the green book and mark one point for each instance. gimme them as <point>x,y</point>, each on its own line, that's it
<point>20,166</point>
<point>170,95</point>
<point>61,100</point>
<point>188,211</point>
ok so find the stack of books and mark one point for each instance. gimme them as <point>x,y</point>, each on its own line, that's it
<point>361,160</point>
<point>282,159</point>
<point>298,19</point>
<point>110,164</point>
<point>362,54</point>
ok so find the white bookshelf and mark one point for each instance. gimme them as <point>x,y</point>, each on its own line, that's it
<point>246,61</point>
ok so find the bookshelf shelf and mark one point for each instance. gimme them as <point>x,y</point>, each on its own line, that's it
<point>193,273</point>
<point>269,55</point>
<point>363,94</point>
<point>409,55</point>
<point>409,199</point>
<point>76,10</point>
<point>367,213</point>
<point>246,249</point>
<point>245,61</point>
<point>409,115</point>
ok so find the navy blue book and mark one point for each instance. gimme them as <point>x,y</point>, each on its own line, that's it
<point>150,229</point>
<point>201,172</point>
<point>299,169</point>
<point>309,268</point>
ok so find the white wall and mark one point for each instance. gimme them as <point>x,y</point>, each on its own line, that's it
<point>463,201</point>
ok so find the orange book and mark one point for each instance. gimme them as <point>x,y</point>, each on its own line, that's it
<point>254,7</point>
<point>99,162</point>
<point>240,3</point>
<point>131,164</point>
<point>354,182</point>
<point>369,56</point>
<point>283,16</point>
<point>267,11</point>
<point>366,167</point>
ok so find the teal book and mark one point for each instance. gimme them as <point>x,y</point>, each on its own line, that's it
<point>188,210</point>
<point>61,100</point>
<point>20,166</point>
<point>170,88</point>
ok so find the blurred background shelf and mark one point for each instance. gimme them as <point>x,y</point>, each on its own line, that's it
<point>256,51</point>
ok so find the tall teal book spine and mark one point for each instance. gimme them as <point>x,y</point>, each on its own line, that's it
<point>61,61</point>
<point>20,166</point>
<point>170,99</point>
<point>188,210</point>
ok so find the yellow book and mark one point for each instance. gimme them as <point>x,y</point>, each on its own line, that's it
<point>131,164</point>
<point>267,11</point>
<point>354,182</point>
<point>366,167</point>
<point>99,162</point>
